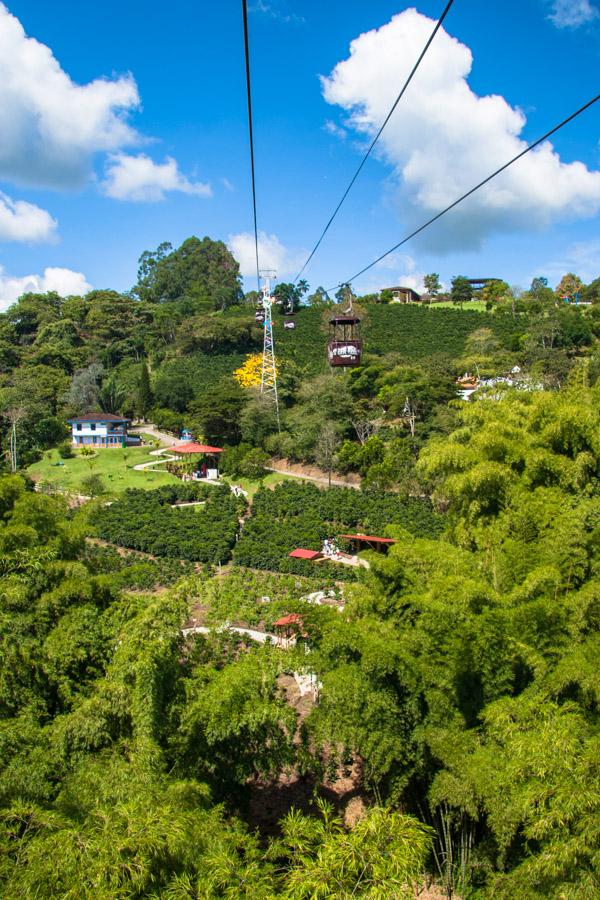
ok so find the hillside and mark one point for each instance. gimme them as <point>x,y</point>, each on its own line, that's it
<point>413,332</point>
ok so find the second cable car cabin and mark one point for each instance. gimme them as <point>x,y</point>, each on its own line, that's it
<point>344,347</point>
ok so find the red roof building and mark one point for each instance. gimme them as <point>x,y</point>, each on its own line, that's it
<point>290,619</point>
<point>368,538</point>
<point>368,542</point>
<point>198,461</point>
<point>193,447</point>
<point>289,628</point>
<point>300,553</point>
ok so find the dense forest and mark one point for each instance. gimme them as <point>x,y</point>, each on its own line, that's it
<point>433,726</point>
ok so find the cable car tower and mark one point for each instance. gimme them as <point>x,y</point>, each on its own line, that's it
<point>268,375</point>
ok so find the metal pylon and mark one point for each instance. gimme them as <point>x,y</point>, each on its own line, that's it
<point>268,376</point>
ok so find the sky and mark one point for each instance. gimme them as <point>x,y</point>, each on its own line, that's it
<point>123,125</point>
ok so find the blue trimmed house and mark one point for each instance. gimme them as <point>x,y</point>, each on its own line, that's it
<point>102,430</point>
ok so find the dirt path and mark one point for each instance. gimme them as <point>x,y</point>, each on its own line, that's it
<point>312,473</point>
<point>167,439</point>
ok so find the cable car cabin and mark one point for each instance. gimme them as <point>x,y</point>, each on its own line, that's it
<point>344,347</point>
<point>259,315</point>
<point>289,324</point>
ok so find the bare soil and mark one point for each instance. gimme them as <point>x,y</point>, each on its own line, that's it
<point>271,800</point>
<point>314,473</point>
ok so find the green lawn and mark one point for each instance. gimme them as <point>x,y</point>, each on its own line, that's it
<point>473,305</point>
<point>251,486</point>
<point>114,465</point>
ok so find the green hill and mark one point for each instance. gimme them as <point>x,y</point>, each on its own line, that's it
<point>415,332</point>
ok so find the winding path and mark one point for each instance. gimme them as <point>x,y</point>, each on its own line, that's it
<point>158,462</point>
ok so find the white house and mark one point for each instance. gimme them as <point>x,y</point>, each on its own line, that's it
<point>101,430</point>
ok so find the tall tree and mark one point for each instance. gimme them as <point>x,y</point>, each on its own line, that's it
<point>462,290</point>
<point>432,284</point>
<point>203,272</point>
<point>144,393</point>
<point>345,294</point>
<point>569,286</point>
<point>84,392</point>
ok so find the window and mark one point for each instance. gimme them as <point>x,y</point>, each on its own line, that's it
<point>92,427</point>
<point>78,426</point>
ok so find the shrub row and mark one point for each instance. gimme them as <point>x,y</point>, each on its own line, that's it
<point>302,515</point>
<point>133,572</point>
<point>145,520</point>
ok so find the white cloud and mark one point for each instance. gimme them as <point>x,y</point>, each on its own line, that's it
<point>64,281</point>
<point>572,13</point>
<point>139,178</point>
<point>49,126</point>
<point>276,11</point>
<point>22,221</point>
<point>444,138</point>
<point>582,258</point>
<point>335,130</point>
<point>397,269</point>
<point>272,254</point>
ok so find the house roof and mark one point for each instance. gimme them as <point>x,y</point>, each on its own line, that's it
<point>290,619</point>
<point>193,447</point>
<point>368,538</point>
<point>403,287</point>
<point>300,553</point>
<point>98,417</point>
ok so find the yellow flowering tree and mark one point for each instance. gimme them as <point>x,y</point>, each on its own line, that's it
<point>249,374</point>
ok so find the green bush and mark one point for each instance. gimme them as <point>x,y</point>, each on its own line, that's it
<point>92,485</point>
<point>65,450</point>
<point>133,572</point>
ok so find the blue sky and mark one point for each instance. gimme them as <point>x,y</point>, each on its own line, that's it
<point>91,187</point>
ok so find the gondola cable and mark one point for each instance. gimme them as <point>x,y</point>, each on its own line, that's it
<point>485,181</point>
<point>377,136</point>
<point>251,133</point>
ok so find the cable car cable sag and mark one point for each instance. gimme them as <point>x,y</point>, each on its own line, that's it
<point>378,135</point>
<point>443,212</point>
<point>251,132</point>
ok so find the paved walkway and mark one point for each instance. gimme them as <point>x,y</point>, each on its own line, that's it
<point>261,637</point>
<point>155,462</point>
<point>161,436</point>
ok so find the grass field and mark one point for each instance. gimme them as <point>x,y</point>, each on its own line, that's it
<point>114,466</point>
<point>251,486</point>
<point>473,305</point>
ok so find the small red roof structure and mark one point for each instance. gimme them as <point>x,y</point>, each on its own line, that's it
<point>300,553</point>
<point>367,538</point>
<point>290,619</point>
<point>193,447</point>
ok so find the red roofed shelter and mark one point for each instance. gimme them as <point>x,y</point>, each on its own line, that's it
<point>288,629</point>
<point>202,460</point>
<point>301,553</point>
<point>368,542</point>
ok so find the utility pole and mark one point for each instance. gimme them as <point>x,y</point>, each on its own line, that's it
<point>268,376</point>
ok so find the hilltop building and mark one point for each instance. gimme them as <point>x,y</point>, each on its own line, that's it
<point>402,294</point>
<point>102,430</point>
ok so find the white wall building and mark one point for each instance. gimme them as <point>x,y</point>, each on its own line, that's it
<point>101,430</point>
